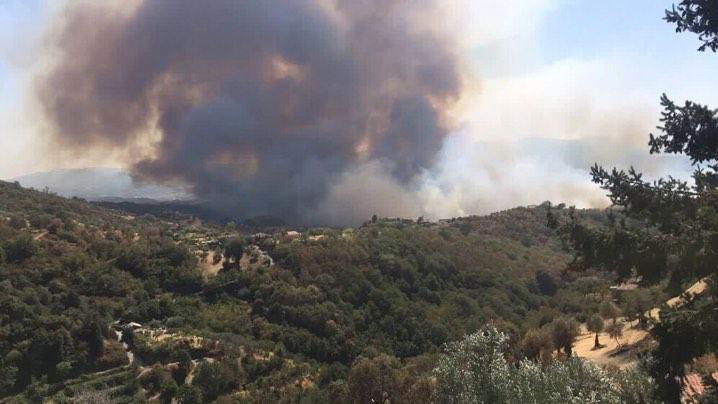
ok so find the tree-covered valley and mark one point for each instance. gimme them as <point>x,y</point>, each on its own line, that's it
<point>102,303</point>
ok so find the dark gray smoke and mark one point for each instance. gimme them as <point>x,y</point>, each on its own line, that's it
<point>260,106</point>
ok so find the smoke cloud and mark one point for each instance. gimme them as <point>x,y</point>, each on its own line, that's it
<point>260,107</point>
<point>329,111</point>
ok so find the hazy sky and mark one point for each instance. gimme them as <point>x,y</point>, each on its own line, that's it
<point>581,70</point>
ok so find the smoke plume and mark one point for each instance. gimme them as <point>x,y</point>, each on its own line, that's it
<point>260,107</point>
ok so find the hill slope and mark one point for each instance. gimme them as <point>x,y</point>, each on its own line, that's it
<point>286,315</point>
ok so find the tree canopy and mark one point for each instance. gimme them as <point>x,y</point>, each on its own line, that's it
<point>667,227</point>
<point>699,17</point>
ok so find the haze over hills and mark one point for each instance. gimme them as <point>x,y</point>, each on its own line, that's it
<point>99,183</point>
<point>565,157</point>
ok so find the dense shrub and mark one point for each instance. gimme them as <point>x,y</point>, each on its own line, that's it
<point>475,370</point>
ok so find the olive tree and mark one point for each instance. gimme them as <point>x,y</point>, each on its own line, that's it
<point>595,325</point>
<point>476,370</point>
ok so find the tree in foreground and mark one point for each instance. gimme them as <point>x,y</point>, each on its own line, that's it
<point>678,238</point>
<point>699,17</point>
<point>564,331</point>
<point>475,370</point>
<point>538,344</point>
<point>595,325</point>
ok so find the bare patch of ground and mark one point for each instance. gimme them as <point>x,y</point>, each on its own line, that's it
<point>619,353</point>
<point>209,267</point>
<point>696,289</point>
<point>623,352</point>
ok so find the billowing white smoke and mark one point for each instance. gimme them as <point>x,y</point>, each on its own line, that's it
<point>476,177</point>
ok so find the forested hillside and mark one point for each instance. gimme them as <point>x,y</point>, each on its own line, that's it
<point>106,303</point>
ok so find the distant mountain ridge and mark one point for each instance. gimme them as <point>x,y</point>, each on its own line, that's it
<point>99,184</point>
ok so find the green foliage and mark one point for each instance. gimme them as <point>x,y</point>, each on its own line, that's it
<point>699,17</point>
<point>168,390</point>
<point>20,248</point>
<point>609,310</point>
<point>215,378</point>
<point>615,331</point>
<point>188,394</point>
<point>372,380</point>
<point>595,325</point>
<point>312,326</point>
<point>234,249</point>
<point>8,376</point>
<point>689,129</point>
<point>17,222</point>
<point>158,380</point>
<point>637,305</point>
<point>683,337</point>
<point>546,283</point>
<point>537,344</point>
<point>667,228</point>
<point>184,360</point>
<point>564,331</point>
<point>475,370</point>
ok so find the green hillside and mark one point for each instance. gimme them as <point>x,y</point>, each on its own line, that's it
<point>283,316</point>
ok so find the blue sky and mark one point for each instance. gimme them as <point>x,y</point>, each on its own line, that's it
<point>14,15</point>
<point>584,28</point>
<point>21,25</point>
<point>18,18</point>
<point>631,30</point>
<point>582,71</point>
